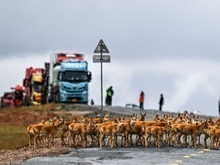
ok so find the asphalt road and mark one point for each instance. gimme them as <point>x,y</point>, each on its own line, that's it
<point>132,156</point>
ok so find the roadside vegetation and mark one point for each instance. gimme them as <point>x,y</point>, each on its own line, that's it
<point>14,121</point>
<point>12,137</point>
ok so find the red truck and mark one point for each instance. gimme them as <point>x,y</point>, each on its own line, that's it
<point>14,98</point>
<point>36,85</point>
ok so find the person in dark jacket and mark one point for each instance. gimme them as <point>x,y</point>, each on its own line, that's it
<point>109,94</point>
<point>92,102</point>
<point>161,102</point>
<point>219,106</point>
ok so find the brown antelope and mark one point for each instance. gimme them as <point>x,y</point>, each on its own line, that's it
<point>210,122</point>
<point>211,125</point>
<point>156,131</point>
<point>137,128</point>
<point>80,130</point>
<point>126,131</point>
<point>46,131</point>
<point>99,120</point>
<point>66,129</point>
<point>171,134</point>
<point>188,129</point>
<point>30,128</point>
<point>143,117</point>
<point>214,134</point>
<point>110,130</point>
<point>217,122</point>
<point>157,118</point>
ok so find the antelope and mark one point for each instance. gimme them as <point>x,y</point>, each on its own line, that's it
<point>137,128</point>
<point>210,132</point>
<point>82,130</point>
<point>47,131</point>
<point>143,116</point>
<point>217,122</point>
<point>111,130</point>
<point>66,129</point>
<point>214,134</point>
<point>126,131</point>
<point>157,118</point>
<point>105,118</point>
<point>30,128</point>
<point>188,129</point>
<point>156,131</point>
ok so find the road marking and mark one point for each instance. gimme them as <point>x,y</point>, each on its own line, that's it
<point>189,156</point>
<point>186,156</point>
<point>179,161</point>
<point>201,152</point>
<point>193,154</point>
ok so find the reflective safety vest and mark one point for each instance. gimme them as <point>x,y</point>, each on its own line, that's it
<point>110,92</point>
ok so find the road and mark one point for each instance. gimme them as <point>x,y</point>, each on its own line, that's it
<point>131,156</point>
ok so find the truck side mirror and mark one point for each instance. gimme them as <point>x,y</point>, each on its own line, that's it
<point>89,76</point>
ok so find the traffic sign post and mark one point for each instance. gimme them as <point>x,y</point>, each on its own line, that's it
<point>101,48</point>
<point>104,58</point>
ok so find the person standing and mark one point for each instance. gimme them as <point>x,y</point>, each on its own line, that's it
<point>161,102</point>
<point>141,100</point>
<point>110,93</point>
<point>92,102</point>
<point>219,106</point>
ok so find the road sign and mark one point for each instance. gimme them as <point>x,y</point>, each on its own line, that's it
<point>101,47</point>
<point>105,58</point>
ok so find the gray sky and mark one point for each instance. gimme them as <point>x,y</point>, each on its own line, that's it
<point>157,46</point>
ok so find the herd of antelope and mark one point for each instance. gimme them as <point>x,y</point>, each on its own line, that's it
<point>179,131</point>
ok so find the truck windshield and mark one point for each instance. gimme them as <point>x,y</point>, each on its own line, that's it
<point>76,76</point>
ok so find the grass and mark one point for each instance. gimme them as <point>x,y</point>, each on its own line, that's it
<point>14,121</point>
<point>12,137</point>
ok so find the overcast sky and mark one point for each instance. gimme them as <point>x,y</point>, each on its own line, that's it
<point>158,46</point>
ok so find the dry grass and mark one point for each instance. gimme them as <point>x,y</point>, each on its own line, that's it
<point>12,137</point>
<point>14,121</point>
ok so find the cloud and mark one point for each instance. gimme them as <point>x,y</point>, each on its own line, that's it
<point>184,90</point>
<point>13,69</point>
<point>138,30</point>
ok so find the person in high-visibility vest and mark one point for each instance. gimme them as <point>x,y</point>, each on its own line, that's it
<point>109,94</point>
<point>141,100</point>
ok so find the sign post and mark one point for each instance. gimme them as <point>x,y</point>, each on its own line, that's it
<point>101,48</point>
